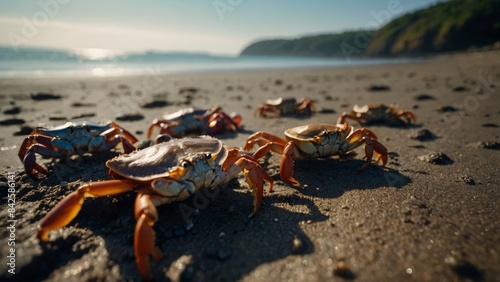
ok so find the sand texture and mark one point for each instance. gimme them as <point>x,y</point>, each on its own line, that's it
<point>423,217</point>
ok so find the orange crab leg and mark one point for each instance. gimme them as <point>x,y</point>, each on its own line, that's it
<point>67,209</point>
<point>261,138</point>
<point>131,138</point>
<point>354,116</point>
<point>144,236</point>
<point>114,136</point>
<point>255,177</point>
<point>371,146</point>
<point>286,164</point>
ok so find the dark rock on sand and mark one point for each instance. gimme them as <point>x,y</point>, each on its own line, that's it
<point>464,268</point>
<point>424,97</point>
<point>490,125</point>
<point>80,104</point>
<point>460,89</point>
<point>12,111</point>
<point>12,121</point>
<point>130,117</point>
<point>439,158</point>
<point>468,180</point>
<point>84,115</point>
<point>40,96</point>
<point>446,109</point>
<point>186,90</point>
<point>57,117</point>
<point>24,130</point>
<point>155,104</point>
<point>423,135</point>
<point>377,88</point>
<point>486,145</point>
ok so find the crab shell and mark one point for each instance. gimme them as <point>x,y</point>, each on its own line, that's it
<point>195,160</point>
<point>320,139</point>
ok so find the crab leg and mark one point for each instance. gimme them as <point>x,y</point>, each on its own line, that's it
<point>371,145</point>
<point>255,177</point>
<point>342,119</point>
<point>112,137</point>
<point>144,236</point>
<point>67,209</point>
<point>131,138</point>
<point>262,138</point>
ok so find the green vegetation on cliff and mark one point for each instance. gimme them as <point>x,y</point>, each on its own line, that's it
<point>316,45</point>
<point>447,26</point>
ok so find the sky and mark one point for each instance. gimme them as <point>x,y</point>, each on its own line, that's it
<point>213,26</point>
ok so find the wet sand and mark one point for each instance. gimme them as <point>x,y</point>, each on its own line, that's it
<point>412,220</point>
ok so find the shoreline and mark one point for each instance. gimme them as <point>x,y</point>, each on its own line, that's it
<point>411,220</point>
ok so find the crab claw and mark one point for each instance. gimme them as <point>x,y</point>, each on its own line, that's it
<point>31,167</point>
<point>286,165</point>
<point>373,146</point>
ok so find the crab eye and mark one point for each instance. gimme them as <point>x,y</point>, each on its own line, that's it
<point>184,164</point>
<point>208,156</point>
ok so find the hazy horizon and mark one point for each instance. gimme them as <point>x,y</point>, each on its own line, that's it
<point>214,27</point>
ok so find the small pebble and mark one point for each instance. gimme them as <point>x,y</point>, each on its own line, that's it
<point>12,121</point>
<point>40,96</point>
<point>424,97</point>
<point>487,145</point>
<point>297,245</point>
<point>130,117</point>
<point>436,158</point>
<point>12,111</point>
<point>423,135</point>
<point>377,88</point>
<point>468,180</point>
<point>342,269</point>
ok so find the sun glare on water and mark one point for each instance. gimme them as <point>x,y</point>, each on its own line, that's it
<point>96,54</point>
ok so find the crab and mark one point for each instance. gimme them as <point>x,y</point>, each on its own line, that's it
<point>162,174</point>
<point>378,113</point>
<point>210,121</point>
<point>286,106</point>
<point>71,139</point>
<point>316,141</point>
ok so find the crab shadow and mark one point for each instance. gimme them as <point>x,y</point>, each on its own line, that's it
<point>224,244</point>
<point>333,177</point>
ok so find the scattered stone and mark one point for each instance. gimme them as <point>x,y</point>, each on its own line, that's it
<point>423,135</point>
<point>188,90</point>
<point>57,117</point>
<point>490,125</point>
<point>424,97</point>
<point>487,145</point>
<point>155,104</point>
<point>130,117</point>
<point>12,111</point>
<point>377,88</point>
<point>183,269</point>
<point>436,158</point>
<point>24,130</point>
<point>327,111</point>
<point>84,115</point>
<point>278,82</point>
<point>297,245</point>
<point>80,104</point>
<point>40,96</point>
<point>468,180</point>
<point>12,121</point>
<point>460,89</point>
<point>446,109</point>
<point>342,270</point>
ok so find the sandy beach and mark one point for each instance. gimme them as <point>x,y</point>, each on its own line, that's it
<point>412,220</point>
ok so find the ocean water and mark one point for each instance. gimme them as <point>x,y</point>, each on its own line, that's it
<point>34,62</point>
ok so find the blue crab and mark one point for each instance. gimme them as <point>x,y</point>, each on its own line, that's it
<point>162,174</point>
<point>71,139</point>
<point>210,121</point>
